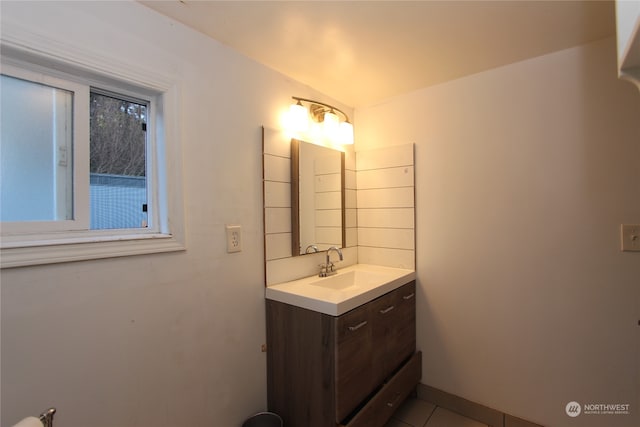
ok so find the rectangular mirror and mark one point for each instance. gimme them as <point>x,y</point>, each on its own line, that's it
<point>317,198</point>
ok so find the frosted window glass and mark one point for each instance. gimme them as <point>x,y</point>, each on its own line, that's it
<point>36,143</point>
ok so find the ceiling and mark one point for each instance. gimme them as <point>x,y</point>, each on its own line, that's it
<point>362,52</point>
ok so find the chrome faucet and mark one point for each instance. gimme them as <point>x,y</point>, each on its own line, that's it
<point>327,269</point>
<point>311,249</point>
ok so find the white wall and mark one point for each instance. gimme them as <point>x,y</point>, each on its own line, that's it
<point>523,177</point>
<point>164,340</point>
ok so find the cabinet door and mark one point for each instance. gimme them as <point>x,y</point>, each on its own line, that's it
<point>353,360</point>
<point>394,330</point>
<point>402,340</point>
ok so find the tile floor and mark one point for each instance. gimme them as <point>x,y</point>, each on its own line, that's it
<point>418,413</point>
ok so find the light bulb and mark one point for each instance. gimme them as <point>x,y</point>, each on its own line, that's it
<point>331,126</point>
<point>298,118</point>
<point>346,133</point>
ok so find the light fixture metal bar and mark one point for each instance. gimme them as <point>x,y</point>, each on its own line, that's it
<point>330,107</point>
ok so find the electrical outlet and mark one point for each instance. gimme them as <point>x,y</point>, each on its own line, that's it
<point>234,238</point>
<point>630,236</point>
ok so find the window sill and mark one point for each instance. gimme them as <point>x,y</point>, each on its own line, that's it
<point>86,248</point>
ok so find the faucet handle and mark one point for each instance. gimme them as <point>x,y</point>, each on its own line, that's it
<point>323,270</point>
<point>326,269</point>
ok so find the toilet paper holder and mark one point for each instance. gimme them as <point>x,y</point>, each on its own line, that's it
<point>46,418</point>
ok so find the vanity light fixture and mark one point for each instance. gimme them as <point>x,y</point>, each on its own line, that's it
<point>328,116</point>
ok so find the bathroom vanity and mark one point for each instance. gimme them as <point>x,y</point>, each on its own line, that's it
<point>341,350</point>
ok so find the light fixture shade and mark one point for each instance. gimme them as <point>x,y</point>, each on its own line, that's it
<point>321,123</point>
<point>345,134</point>
<point>315,132</point>
<point>298,118</point>
<point>331,126</point>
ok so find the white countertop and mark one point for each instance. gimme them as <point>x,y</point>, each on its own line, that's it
<point>335,295</point>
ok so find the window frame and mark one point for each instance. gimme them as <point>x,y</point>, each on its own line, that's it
<point>34,243</point>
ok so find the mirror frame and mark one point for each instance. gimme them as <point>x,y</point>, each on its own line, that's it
<point>295,198</point>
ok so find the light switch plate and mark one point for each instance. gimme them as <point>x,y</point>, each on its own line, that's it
<point>234,238</point>
<point>630,237</point>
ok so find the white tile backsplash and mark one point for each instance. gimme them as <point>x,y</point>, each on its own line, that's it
<point>399,238</point>
<point>350,197</point>
<point>386,198</point>
<point>399,258</point>
<point>277,168</point>
<point>386,217</point>
<point>385,178</point>
<point>277,220</point>
<point>351,218</point>
<point>277,246</point>
<point>399,155</point>
<point>276,142</point>
<point>386,206</point>
<point>287,269</point>
<point>351,236</point>
<point>379,209</point>
<point>277,194</point>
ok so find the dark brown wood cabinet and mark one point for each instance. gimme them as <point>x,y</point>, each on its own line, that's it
<point>352,370</point>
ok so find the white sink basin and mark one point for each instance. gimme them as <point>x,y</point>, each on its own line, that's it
<point>334,295</point>
<point>340,282</point>
<point>355,278</point>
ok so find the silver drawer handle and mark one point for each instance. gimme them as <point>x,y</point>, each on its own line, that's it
<point>407,297</point>
<point>395,400</point>
<point>386,310</point>
<point>358,326</point>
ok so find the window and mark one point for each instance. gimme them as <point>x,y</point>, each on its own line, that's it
<point>117,163</point>
<point>82,170</point>
<point>36,142</point>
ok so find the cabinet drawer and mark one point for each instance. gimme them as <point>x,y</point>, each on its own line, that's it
<point>382,406</point>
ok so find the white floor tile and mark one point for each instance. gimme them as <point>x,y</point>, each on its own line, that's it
<point>444,418</point>
<point>415,412</point>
